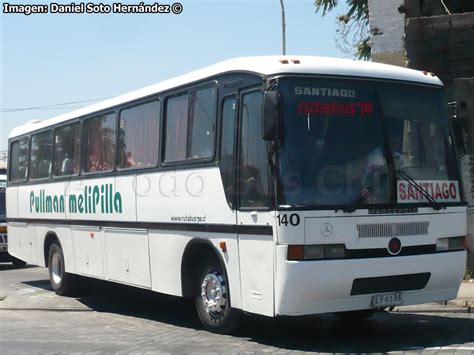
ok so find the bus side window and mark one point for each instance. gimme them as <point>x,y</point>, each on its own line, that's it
<point>67,144</point>
<point>190,125</point>
<point>227,148</point>
<point>99,137</point>
<point>19,159</point>
<point>139,136</point>
<point>253,173</point>
<point>176,119</point>
<point>41,155</point>
<point>202,123</point>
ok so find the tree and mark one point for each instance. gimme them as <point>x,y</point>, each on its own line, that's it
<point>354,30</point>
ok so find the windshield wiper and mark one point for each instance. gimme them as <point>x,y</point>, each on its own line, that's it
<point>436,205</point>
<point>365,194</point>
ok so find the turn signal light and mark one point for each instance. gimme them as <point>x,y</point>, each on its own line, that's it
<point>3,229</point>
<point>295,252</point>
<point>223,247</point>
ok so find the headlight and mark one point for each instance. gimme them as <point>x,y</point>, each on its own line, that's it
<point>316,252</point>
<point>452,243</point>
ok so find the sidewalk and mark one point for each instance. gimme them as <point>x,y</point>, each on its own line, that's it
<point>466,293</point>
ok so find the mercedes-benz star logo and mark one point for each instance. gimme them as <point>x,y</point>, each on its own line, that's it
<point>327,229</point>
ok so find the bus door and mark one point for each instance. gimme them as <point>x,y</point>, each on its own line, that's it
<point>254,218</point>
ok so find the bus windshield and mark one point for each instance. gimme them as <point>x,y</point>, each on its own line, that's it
<point>339,137</point>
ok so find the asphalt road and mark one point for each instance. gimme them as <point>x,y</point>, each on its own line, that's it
<point>110,318</point>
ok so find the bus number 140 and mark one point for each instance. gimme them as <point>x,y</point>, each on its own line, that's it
<point>293,219</point>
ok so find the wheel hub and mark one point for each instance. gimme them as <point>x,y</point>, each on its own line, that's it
<point>56,268</point>
<point>214,293</point>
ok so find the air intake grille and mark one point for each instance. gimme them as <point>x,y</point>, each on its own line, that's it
<point>383,230</point>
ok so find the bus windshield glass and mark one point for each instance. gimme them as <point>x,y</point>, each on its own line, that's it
<point>334,140</point>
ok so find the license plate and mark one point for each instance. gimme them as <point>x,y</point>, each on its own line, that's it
<point>387,300</point>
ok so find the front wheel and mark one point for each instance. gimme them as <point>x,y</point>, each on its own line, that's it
<point>213,302</point>
<point>62,283</point>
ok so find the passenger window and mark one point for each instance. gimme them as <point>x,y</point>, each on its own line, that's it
<point>227,148</point>
<point>99,143</point>
<point>139,136</point>
<point>41,155</point>
<point>190,125</point>
<point>176,128</point>
<point>67,143</point>
<point>253,174</point>
<point>19,159</point>
<point>202,123</point>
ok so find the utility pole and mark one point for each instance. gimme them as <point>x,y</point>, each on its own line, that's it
<point>283,25</point>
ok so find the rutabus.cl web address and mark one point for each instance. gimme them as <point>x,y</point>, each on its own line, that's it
<point>195,219</point>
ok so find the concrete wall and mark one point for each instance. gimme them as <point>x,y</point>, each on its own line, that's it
<point>387,26</point>
<point>442,44</point>
<point>462,91</point>
<point>423,8</point>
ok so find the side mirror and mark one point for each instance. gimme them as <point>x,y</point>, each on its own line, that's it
<point>460,136</point>
<point>269,117</point>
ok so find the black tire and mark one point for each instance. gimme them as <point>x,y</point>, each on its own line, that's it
<point>63,283</point>
<point>355,316</point>
<point>17,262</point>
<point>225,319</point>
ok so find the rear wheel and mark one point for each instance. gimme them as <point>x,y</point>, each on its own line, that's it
<point>213,302</point>
<point>18,262</point>
<point>61,282</point>
<point>355,316</point>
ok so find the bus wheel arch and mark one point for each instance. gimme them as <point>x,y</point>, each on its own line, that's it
<point>197,252</point>
<point>204,277</point>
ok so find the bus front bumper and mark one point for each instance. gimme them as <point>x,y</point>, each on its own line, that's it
<point>312,287</point>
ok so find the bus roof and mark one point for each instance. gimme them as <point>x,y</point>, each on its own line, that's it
<point>263,65</point>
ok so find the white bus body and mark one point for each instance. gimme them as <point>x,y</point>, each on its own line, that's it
<point>154,226</point>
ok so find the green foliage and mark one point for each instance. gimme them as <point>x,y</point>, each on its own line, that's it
<point>364,49</point>
<point>467,275</point>
<point>327,5</point>
<point>354,26</point>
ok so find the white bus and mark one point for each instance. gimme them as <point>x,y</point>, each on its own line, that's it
<point>279,186</point>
